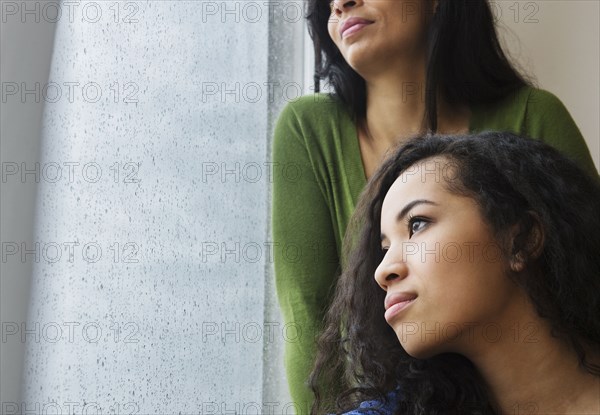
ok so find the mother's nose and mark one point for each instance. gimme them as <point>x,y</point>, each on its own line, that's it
<point>339,6</point>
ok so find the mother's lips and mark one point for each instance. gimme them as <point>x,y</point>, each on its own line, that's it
<point>396,298</point>
<point>352,21</point>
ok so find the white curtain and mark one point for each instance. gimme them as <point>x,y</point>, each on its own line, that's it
<point>151,287</point>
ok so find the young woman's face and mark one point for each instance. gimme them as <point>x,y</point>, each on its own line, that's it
<point>373,34</point>
<point>443,271</point>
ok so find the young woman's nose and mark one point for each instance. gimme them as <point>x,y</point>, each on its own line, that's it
<point>391,270</point>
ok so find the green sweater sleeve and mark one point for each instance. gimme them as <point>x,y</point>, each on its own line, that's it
<point>538,114</point>
<point>547,118</point>
<point>306,259</point>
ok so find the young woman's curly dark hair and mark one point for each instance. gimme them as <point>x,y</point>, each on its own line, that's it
<point>465,61</point>
<point>512,179</point>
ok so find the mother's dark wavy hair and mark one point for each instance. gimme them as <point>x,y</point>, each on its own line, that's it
<point>515,181</point>
<point>465,61</point>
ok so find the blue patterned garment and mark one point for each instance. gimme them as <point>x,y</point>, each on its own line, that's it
<point>388,409</point>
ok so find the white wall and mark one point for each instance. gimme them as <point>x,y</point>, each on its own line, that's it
<point>25,55</point>
<point>558,41</point>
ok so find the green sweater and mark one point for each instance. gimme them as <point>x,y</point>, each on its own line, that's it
<point>319,178</point>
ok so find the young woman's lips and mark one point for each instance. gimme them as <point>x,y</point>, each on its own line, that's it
<point>353,25</point>
<point>396,303</point>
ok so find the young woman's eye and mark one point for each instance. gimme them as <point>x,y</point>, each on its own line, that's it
<point>415,224</point>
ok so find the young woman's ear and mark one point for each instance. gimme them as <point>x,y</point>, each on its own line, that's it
<point>527,241</point>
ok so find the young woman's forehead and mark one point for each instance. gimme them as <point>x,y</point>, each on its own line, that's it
<point>437,169</point>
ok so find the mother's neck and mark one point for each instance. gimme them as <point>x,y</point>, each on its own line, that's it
<point>396,105</point>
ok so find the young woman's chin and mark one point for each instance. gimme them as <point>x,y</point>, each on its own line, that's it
<point>419,350</point>
<point>423,344</point>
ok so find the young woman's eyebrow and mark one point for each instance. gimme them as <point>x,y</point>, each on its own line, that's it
<point>407,209</point>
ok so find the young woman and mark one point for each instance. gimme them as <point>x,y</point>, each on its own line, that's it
<point>473,285</point>
<point>397,68</point>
